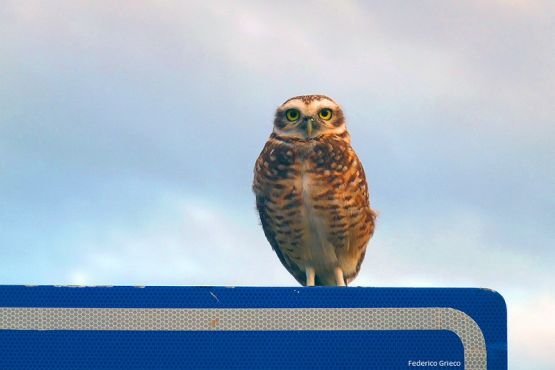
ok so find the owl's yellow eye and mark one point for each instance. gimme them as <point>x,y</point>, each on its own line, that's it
<point>325,114</point>
<point>292,115</point>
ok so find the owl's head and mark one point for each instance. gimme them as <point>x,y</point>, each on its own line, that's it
<point>309,116</point>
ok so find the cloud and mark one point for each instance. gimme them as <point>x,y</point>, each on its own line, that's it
<point>457,247</point>
<point>532,331</point>
<point>184,241</point>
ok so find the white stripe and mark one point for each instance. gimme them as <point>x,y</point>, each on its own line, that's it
<point>254,319</point>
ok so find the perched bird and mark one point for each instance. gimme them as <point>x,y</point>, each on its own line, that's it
<point>311,193</point>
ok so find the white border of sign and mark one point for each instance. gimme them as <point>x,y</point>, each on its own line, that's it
<point>255,319</point>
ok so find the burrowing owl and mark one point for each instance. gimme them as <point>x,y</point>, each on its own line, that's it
<point>311,193</point>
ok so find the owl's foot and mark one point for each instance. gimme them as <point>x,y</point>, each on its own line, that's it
<point>310,276</point>
<point>339,278</point>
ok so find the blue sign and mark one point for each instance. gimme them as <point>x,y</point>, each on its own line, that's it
<point>46,327</point>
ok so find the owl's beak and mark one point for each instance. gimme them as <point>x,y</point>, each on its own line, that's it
<point>309,122</point>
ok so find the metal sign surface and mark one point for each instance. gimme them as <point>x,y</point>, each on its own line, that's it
<point>48,327</point>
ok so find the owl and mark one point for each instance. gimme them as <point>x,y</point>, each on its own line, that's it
<point>311,193</point>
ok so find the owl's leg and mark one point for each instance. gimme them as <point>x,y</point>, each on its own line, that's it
<point>310,276</point>
<point>339,279</point>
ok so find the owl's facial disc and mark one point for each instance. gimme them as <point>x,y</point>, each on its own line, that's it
<point>309,117</point>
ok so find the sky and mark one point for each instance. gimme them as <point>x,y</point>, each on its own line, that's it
<point>129,132</point>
